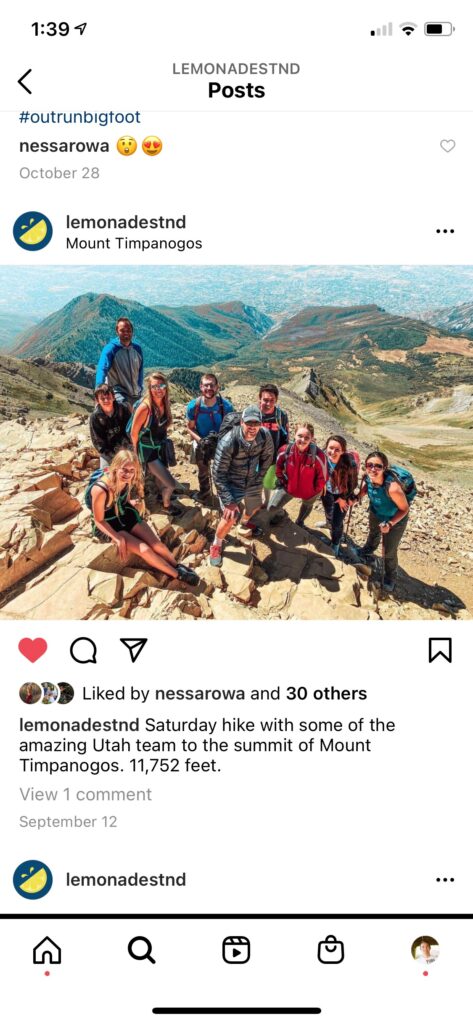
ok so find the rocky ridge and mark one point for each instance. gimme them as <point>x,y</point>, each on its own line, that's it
<point>51,567</point>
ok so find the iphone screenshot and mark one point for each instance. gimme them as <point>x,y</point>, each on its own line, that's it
<point>236,496</point>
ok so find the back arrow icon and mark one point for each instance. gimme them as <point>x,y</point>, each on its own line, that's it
<point>22,83</point>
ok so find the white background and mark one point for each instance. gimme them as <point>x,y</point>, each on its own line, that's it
<point>328,833</point>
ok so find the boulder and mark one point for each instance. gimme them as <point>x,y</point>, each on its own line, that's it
<point>237,560</point>
<point>241,587</point>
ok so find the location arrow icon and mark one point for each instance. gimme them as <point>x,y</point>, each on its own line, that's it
<point>21,81</point>
<point>134,645</point>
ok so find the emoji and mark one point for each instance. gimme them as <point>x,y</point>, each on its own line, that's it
<point>32,230</point>
<point>32,879</point>
<point>126,145</point>
<point>151,145</point>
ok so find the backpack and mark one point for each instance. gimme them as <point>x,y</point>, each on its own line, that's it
<point>94,479</point>
<point>229,422</point>
<point>355,458</point>
<point>198,409</point>
<point>313,452</point>
<point>404,478</point>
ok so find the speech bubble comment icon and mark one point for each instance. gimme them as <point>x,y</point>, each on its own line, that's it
<point>84,651</point>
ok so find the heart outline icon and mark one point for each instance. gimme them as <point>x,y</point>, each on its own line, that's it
<point>32,649</point>
<point>447,145</point>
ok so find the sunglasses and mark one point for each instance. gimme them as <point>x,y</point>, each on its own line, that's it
<point>158,387</point>
<point>374,466</point>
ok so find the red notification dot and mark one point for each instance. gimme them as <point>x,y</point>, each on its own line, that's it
<point>46,973</point>
<point>425,973</point>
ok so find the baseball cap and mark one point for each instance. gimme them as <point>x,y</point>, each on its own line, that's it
<point>251,414</point>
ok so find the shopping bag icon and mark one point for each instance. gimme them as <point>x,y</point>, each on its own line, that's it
<point>330,950</point>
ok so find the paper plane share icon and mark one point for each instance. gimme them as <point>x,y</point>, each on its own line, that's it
<point>134,645</point>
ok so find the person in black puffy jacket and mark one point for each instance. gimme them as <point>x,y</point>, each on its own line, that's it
<point>107,425</point>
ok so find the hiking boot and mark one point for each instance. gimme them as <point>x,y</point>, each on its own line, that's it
<point>334,548</point>
<point>204,497</point>
<point>215,555</point>
<point>366,555</point>
<point>186,575</point>
<point>301,520</point>
<point>388,586</point>
<point>173,510</point>
<point>277,517</point>
<point>323,525</point>
<point>247,530</point>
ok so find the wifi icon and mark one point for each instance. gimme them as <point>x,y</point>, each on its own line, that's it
<point>408,27</point>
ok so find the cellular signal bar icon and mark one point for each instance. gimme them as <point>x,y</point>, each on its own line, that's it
<point>385,30</point>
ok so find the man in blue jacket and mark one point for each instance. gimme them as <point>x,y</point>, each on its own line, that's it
<point>121,365</point>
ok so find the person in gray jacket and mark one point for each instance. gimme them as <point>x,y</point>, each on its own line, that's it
<point>243,455</point>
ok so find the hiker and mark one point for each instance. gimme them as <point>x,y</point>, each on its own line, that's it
<point>340,491</point>
<point>121,365</point>
<point>150,422</point>
<point>116,517</point>
<point>388,512</point>
<point>107,424</point>
<point>204,418</point>
<point>244,453</point>
<point>277,422</point>
<point>301,471</point>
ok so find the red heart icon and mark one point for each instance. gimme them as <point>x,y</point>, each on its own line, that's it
<point>147,144</point>
<point>156,145</point>
<point>32,649</point>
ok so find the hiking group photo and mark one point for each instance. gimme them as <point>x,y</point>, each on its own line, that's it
<point>287,447</point>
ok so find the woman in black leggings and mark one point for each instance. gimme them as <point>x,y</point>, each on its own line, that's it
<point>151,421</point>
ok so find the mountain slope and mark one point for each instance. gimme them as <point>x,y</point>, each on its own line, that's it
<point>27,390</point>
<point>455,319</point>
<point>11,325</point>
<point>225,326</point>
<point>345,328</point>
<point>79,330</point>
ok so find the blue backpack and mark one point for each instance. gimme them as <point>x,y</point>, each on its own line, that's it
<point>404,478</point>
<point>94,479</point>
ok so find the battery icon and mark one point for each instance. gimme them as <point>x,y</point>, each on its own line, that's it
<point>439,28</point>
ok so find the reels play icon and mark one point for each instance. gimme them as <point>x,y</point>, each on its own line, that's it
<point>236,949</point>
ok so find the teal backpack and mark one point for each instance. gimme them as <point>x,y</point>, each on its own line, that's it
<point>94,479</point>
<point>404,478</point>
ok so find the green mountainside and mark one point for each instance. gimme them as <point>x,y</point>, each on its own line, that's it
<point>80,330</point>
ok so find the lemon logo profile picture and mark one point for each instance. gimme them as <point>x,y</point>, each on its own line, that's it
<point>32,231</point>
<point>32,879</point>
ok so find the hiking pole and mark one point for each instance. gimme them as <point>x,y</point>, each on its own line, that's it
<point>383,559</point>
<point>347,527</point>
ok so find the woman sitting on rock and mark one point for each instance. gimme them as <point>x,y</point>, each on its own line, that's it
<point>301,472</point>
<point>149,426</point>
<point>116,516</point>
<point>389,512</point>
<point>340,492</point>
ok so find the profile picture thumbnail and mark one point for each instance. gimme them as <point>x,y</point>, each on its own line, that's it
<point>50,693</point>
<point>425,950</point>
<point>66,693</point>
<point>30,693</point>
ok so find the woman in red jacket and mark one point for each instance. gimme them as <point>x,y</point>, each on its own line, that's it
<point>301,471</point>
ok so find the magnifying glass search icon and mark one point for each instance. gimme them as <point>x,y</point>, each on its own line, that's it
<point>139,954</point>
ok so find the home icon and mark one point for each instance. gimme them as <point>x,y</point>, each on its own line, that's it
<point>46,952</point>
